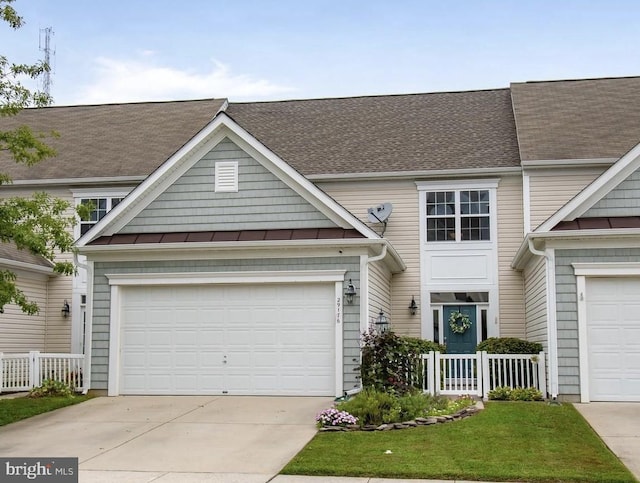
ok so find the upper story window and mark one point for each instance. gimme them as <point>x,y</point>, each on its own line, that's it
<point>101,206</point>
<point>458,215</point>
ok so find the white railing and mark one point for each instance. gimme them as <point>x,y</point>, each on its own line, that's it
<point>477,374</point>
<point>22,372</point>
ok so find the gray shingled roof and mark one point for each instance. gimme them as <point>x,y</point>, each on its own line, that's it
<point>416,132</point>
<point>363,134</point>
<point>110,140</point>
<point>580,119</point>
<point>9,251</point>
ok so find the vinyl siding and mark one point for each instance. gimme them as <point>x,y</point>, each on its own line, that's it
<point>262,201</point>
<point>58,328</point>
<point>536,301</point>
<point>22,332</point>
<point>567,309</point>
<point>549,190</point>
<point>624,200</point>
<point>510,235</point>
<point>102,300</point>
<point>379,292</point>
<point>403,231</point>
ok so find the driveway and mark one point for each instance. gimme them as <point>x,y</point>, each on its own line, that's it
<point>618,424</point>
<point>171,438</point>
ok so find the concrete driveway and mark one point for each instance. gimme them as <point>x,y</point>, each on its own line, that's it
<point>618,424</point>
<point>171,438</point>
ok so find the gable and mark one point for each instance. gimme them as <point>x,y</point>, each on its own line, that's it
<point>192,203</point>
<point>623,200</point>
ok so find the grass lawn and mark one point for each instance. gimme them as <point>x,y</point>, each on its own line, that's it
<point>12,410</point>
<point>508,441</point>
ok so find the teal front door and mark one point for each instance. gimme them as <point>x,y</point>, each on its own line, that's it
<point>466,342</point>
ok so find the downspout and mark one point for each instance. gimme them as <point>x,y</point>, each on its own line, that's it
<point>552,323</point>
<point>87,335</point>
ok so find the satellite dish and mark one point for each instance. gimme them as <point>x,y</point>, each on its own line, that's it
<point>380,213</point>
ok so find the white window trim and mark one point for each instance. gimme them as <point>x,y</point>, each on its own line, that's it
<point>490,185</point>
<point>229,180</point>
<point>583,271</point>
<point>88,193</point>
<point>120,281</point>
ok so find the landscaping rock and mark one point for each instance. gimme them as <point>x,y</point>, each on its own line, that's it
<point>333,429</point>
<point>384,427</point>
<point>411,424</point>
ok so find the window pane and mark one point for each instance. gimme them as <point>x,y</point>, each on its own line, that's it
<point>440,203</point>
<point>454,297</point>
<point>441,229</point>
<point>474,202</point>
<point>436,325</point>
<point>115,202</point>
<point>475,228</point>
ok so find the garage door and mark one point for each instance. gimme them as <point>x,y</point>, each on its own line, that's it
<point>613,331</point>
<point>263,339</point>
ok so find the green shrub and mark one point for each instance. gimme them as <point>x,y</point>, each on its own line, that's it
<point>51,388</point>
<point>393,363</point>
<point>372,407</point>
<point>526,394</point>
<point>505,393</point>
<point>508,345</point>
<point>501,393</point>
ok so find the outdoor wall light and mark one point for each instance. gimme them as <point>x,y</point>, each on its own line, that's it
<point>413,306</point>
<point>65,309</point>
<point>350,292</point>
<point>382,322</point>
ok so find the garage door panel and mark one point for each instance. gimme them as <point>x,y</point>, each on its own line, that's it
<point>613,338</point>
<point>236,339</point>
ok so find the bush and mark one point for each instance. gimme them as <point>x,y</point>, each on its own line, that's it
<point>373,407</point>
<point>51,388</point>
<point>393,363</point>
<point>508,345</point>
<point>505,393</point>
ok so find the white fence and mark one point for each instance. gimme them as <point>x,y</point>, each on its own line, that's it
<point>22,372</point>
<point>477,374</point>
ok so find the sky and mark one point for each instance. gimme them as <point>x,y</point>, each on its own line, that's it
<point>255,50</point>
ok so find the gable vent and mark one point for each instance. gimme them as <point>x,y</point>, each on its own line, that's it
<point>226,176</point>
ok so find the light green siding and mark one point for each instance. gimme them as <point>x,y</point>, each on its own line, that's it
<point>623,200</point>
<point>536,302</point>
<point>567,308</point>
<point>102,300</point>
<point>262,202</point>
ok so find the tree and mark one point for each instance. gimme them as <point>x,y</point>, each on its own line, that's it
<point>39,224</point>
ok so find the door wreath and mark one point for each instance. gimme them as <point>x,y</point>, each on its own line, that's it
<point>459,322</point>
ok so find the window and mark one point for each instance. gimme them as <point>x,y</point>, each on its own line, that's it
<point>101,206</point>
<point>461,215</point>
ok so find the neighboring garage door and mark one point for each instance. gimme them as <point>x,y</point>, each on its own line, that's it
<point>262,339</point>
<point>613,334</point>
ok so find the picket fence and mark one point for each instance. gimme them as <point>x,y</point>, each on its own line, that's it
<point>477,374</point>
<point>22,372</point>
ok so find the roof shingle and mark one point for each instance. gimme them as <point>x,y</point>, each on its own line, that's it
<point>577,119</point>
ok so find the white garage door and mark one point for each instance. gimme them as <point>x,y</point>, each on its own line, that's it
<point>613,332</point>
<point>263,339</point>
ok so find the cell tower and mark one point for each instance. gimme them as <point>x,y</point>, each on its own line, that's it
<point>45,46</point>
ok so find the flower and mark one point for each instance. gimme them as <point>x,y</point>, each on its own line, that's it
<point>333,417</point>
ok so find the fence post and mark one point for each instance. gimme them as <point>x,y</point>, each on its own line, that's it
<point>542,374</point>
<point>1,372</point>
<point>486,377</point>
<point>34,369</point>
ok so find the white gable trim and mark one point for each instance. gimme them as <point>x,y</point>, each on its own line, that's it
<point>593,193</point>
<point>222,126</point>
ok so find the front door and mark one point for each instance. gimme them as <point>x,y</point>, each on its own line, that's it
<point>458,342</point>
